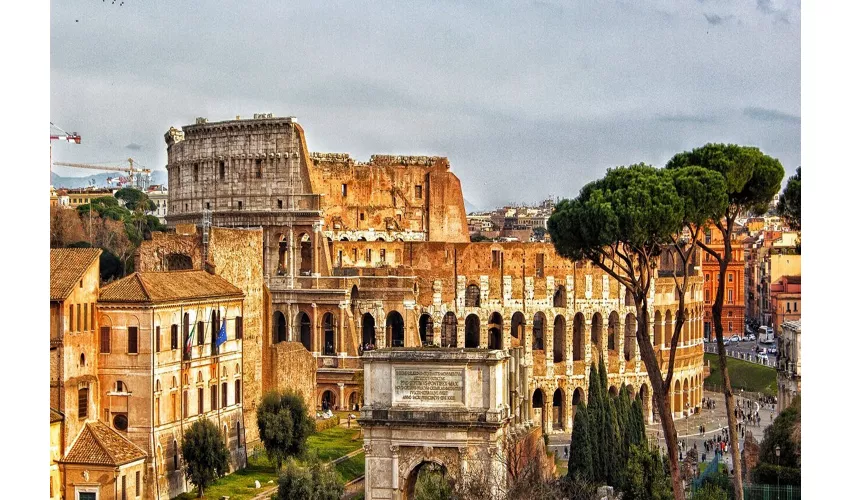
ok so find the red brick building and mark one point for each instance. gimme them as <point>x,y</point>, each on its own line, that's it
<point>734,302</point>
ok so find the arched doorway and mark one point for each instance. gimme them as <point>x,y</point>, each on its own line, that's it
<point>279,322</point>
<point>538,329</point>
<point>354,401</point>
<point>305,267</point>
<point>472,336</point>
<point>517,330</point>
<point>426,329</point>
<point>613,329</point>
<point>395,328</point>
<point>668,328</point>
<point>631,331</point>
<point>305,334</point>
<point>578,337</point>
<point>329,327</point>
<point>494,331</point>
<point>429,479</point>
<point>538,404</point>
<point>328,401</point>
<point>368,332</point>
<point>558,343</point>
<point>558,409</point>
<point>677,398</point>
<point>449,333</point>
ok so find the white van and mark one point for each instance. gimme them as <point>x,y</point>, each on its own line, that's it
<point>765,334</point>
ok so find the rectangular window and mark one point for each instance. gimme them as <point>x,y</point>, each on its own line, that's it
<point>156,340</point>
<point>85,318</point>
<point>729,297</point>
<point>239,205</point>
<point>83,403</point>
<point>91,308</point>
<point>383,255</point>
<point>398,256</point>
<point>259,164</point>
<point>79,319</point>
<point>213,397</point>
<point>495,259</point>
<point>221,170</point>
<point>237,398</point>
<point>368,255</point>
<point>185,404</point>
<point>208,205</point>
<point>156,411</point>
<point>174,342</point>
<point>123,487</point>
<point>539,265</point>
<point>339,259</point>
<point>195,173</point>
<point>200,400</point>
<point>418,192</point>
<point>173,406</point>
<point>730,326</point>
<point>105,344</point>
<point>355,255</point>
<point>345,189</point>
<point>200,333</point>
<point>71,314</point>
<point>224,394</point>
<point>708,237</point>
<point>795,307</point>
<point>132,340</point>
<point>238,327</point>
<point>362,216</point>
<point>787,307</point>
<point>730,277</point>
<point>138,483</point>
<point>279,203</point>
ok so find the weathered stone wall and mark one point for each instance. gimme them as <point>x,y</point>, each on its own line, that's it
<point>294,368</point>
<point>392,195</point>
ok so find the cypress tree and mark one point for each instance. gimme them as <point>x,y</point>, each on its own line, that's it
<point>624,411</point>
<point>638,423</point>
<point>595,413</point>
<point>581,454</point>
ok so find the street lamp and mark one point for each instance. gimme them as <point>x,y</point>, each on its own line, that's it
<point>777,450</point>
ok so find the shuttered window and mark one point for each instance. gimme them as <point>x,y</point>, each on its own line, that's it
<point>133,340</point>
<point>105,336</point>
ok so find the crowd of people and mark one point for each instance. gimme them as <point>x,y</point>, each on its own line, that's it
<point>365,347</point>
<point>708,403</point>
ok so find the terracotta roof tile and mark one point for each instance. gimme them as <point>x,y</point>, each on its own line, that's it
<point>67,266</point>
<point>168,286</point>
<point>98,444</point>
<point>55,416</point>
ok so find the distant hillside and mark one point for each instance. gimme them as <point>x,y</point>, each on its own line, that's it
<point>58,181</point>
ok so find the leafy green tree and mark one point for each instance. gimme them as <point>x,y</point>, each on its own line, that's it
<point>621,223</point>
<point>752,179</point>
<point>135,199</point>
<point>789,205</point>
<point>785,432</point>
<point>646,478</point>
<point>539,233</point>
<point>477,238</point>
<point>205,456</point>
<point>284,424</point>
<point>432,484</point>
<point>580,465</point>
<point>315,481</point>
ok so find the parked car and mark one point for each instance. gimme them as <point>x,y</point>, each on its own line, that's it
<point>772,350</point>
<point>750,338</point>
<point>735,338</point>
<point>726,342</point>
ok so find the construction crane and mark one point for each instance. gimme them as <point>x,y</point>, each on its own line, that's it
<point>139,177</point>
<point>72,137</point>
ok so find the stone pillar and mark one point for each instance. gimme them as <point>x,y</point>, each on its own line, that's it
<point>461,332</point>
<point>438,333</point>
<point>317,325</point>
<point>291,313</point>
<point>380,335</point>
<point>621,337</point>
<point>588,343</point>
<point>394,451</point>
<point>317,232</point>
<point>547,414</point>
<point>340,334</point>
<point>343,402</point>
<point>290,273</point>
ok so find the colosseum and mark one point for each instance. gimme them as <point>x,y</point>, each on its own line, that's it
<point>364,255</point>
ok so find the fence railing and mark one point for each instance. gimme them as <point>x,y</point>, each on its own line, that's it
<point>771,492</point>
<point>749,357</point>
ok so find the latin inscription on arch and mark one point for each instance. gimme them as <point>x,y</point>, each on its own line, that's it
<point>427,386</point>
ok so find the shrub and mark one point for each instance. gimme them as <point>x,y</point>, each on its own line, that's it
<point>284,425</point>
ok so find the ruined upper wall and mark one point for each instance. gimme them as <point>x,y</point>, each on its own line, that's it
<point>410,198</point>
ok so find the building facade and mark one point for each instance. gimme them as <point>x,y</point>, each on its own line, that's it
<point>362,256</point>
<point>789,365</point>
<point>734,300</point>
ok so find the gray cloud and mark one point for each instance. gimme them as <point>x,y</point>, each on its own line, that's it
<point>768,7</point>
<point>133,146</point>
<point>770,115</point>
<point>524,102</point>
<point>715,19</point>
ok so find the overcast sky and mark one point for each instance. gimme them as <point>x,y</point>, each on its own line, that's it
<point>526,102</point>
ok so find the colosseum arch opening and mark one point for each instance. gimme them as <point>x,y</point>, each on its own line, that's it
<point>426,329</point>
<point>368,331</point>
<point>395,326</point>
<point>517,330</point>
<point>279,321</point>
<point>305,266</point>
<point>613,337</point>
<point>558,413</point>
<point>539,332</point>
<point>560,340</point>
<point>449,334</point>
<point>578,337</point>
<point>329,330</point>
<point>472,329</point>
<point>282,255</point>
<point>304,330</point>
<point>560,298</point>
<point>631,332</point>
<point>596,337</point>
<point>473,296</point>
<point>494,331</point>
<point>658,330</point>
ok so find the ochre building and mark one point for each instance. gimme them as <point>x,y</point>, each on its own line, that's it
<point>357,256</point>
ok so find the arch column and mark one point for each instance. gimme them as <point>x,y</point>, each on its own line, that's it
<point>621,342</point>
<point>568,344</point>
<point>461,332</point>
<point>317,228</point>
<point>380,335</point>
<point>548,413</point>
<point>568,408</point>
<point>289,324</point>
<point>588,343</point>
<point>340,331</point>
<point>343,401</point>
<point>438,333</point>
<point>316,329</point>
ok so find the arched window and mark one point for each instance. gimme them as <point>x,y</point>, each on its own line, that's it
<point>82,359</point>
<point>560,339</point>
<point>449,333</point>
<point>305,332</point>
<point>176,456</point>
<point>517,329</point>
<point>658,330</point>
<point>494,331</point>
<point>306,254</point>
<point>473,296</point>
<point>279,322</point>
<point>613,332</point>
<point>578,337</point>
<point>395,327</point>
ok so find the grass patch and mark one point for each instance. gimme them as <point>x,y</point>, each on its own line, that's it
<point>743,375</point>
<point>240,484</point>
<point>352,467</point>
<point>334,443</point>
